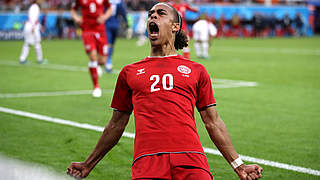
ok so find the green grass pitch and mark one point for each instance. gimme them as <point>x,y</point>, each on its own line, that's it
<point>277,120</point>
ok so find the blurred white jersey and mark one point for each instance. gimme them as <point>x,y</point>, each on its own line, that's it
<point>202,29</point>
<point>142,22</point>
<point>32,26</point>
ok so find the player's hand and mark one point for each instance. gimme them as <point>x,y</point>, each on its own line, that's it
<point>249,172</point>
<point>78,20</point>
<point>101,19</point>
<point>78,170</point>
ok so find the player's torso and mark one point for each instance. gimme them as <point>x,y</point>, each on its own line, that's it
<point>164,94</point>
<point>91,10</point>
<point>113,20</point>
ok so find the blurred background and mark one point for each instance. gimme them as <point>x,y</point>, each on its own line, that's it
<point>233,18</point>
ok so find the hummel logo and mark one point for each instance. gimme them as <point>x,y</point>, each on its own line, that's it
<point>140,71</point>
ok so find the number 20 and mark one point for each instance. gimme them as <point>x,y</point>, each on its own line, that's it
<point>165,78</point>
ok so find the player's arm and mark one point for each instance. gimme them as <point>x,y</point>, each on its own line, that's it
<point>220,137</point>
<point>102,19</point>
<point>109,138</point>
<point>74,13</point>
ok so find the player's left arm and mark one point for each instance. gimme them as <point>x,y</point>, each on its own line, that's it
<point>220,137</point>
<point>102,18</point>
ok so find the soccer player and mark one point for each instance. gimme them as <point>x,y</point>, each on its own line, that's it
<point>32,35</point>
<point>94,14</point>
<point>163,89</point>
<point>203,32</point>
<point>182,7</point>
<point>112,27</point>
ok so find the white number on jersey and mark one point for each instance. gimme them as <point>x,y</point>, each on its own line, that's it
<point>92,7</point>
<point>167,82</point>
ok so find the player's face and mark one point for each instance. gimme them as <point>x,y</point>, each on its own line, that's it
<point>160,24</point>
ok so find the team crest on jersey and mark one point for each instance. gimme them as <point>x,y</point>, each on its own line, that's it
<point>99,1</point>
<point>184,69</point>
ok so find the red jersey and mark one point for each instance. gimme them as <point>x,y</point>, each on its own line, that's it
<point>163,92</point>
<point>182,8</point>
<point>91,10</point>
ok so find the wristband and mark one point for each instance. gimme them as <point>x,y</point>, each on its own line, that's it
<point>236,163</point>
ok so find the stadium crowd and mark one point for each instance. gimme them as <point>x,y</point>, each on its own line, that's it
<point>21,5</point>
<point>260,25</point>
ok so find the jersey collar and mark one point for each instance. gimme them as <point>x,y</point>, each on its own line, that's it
<point>172,55</point>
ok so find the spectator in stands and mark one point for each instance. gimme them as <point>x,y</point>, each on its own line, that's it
<point>221,26</point>
<point>257,24</point>
<point>60,24</point>
<point>299,25</point>
<point>236,25</point>
<point>272,23</point>
<point>286,26</point>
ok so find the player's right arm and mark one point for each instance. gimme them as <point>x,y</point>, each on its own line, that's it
<point>74,13</point>
<point>109,138</point>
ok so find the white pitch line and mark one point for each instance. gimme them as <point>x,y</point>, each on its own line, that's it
<point>54,93</point>
<point>225,83</point>
<point>52,66</point>
<point>132,135</point>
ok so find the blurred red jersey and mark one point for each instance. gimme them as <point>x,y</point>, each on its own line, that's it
<point>163,92</point>
<point>182,8</point>
<point>91,10</point>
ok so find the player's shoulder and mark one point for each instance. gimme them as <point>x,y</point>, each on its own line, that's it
<point>133,65</point>
<point>195,66</point>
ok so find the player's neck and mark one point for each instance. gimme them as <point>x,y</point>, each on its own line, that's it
<point>163,50</point>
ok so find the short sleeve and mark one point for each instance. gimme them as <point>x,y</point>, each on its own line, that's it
<point>106,3</point>
<point>76,4</point>
<point>122,96</point>
<point>205,97</point>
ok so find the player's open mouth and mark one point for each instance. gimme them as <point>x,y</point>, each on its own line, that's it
<point>153,29</point>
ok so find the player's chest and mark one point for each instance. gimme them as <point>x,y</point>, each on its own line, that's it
<point>151,79</point>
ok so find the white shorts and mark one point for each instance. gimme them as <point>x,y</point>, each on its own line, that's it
<point>200,35</point>
<point>31,37</point>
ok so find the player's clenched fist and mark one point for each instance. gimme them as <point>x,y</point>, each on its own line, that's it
<point>78,170</point>
<point>249,172</point>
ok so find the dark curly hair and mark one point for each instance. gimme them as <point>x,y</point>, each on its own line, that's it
<point>181,40</point>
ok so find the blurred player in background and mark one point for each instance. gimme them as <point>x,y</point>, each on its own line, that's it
<point>141,26</point>
<point>182,7</point>
<point>32,35</point>
<point>163,90</point>
<point>203,33</point>
<point>112,27</point>
<point>94,14</point>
